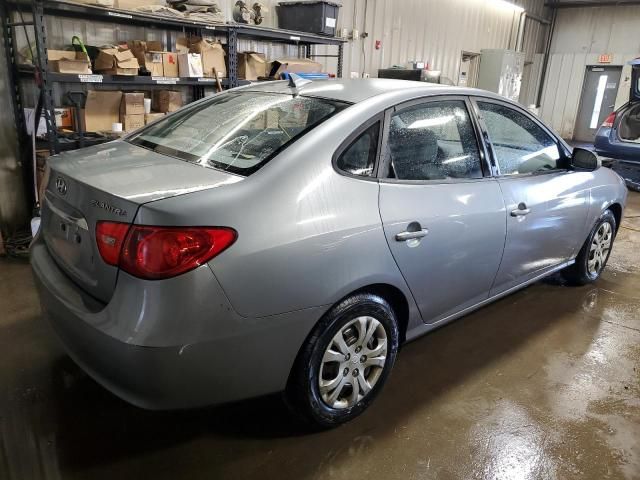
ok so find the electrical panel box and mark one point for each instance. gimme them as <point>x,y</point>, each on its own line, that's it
<point>501,72</point>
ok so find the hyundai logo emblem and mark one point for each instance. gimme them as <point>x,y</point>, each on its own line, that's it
<point>61,186</point>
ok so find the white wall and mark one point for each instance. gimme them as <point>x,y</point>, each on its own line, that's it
<point>581,35</point>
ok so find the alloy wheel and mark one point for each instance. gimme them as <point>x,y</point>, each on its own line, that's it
<point>353,362</point>
<point>599,249</point>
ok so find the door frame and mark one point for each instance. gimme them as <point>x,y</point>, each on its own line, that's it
<point>563,147</point>
<point>474,67</point>
<point>587,69</point>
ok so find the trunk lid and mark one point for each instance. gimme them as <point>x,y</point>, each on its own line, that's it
<point>108,183</point>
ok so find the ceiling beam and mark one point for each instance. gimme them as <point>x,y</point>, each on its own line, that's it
<point>590,3</point>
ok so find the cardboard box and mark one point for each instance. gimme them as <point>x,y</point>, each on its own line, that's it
<point>212,55</point>
<point>132,103</point>
<point>293,65</point>
<point>153,64</point>
<point>140,47</point>
<point>170,64</point>
<point>133,4</point>
<point>190,65</point>
<point>251,65</point>
<point>116,61</point>
<point>64,118</point>
<point>132,122</point>
<point>152,117</point>
<point>66,61</point>
<point>102,110</point>
<point>166,101</point>
<point>183,45</point>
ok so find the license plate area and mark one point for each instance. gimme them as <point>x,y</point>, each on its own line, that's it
<point>68,237</point>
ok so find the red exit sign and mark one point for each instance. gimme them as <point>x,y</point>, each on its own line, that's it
<point>605,58</point>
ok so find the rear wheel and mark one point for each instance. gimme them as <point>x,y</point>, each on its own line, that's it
<point>344,362</point>
<point>595,252</point>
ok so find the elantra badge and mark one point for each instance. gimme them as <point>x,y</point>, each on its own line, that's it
<point>109,208</point>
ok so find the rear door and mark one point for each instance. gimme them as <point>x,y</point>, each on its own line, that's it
<point>546,203</point>
<point>443,215</point>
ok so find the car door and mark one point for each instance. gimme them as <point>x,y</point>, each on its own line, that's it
<point>546,203</point>
<point>442,213</point>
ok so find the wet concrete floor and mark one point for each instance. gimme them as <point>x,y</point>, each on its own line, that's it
<point>542,384</point>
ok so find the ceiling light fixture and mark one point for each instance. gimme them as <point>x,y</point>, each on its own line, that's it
<point>505,4</point>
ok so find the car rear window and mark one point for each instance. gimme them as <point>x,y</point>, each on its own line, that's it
<point>237,132</point>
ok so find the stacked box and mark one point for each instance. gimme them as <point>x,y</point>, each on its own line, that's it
<point>166,101</point>
<point>132,111</point>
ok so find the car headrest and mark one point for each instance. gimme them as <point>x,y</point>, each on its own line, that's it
<point>413,151</point>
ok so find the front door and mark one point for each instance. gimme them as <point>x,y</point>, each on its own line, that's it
<point>546,204</point>
<point>598,100</point>
<point>444,220</point>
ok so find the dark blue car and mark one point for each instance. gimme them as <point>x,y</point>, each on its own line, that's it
<point>619,136</point>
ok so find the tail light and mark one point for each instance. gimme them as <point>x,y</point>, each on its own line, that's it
<point>110,238</point>
<point>160,252</point>
<point>608,122</point>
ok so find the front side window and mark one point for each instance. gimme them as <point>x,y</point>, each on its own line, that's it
<point>520,145</point>
<point>237,131</point>
<point>433,141</point>
<point>360,157</point>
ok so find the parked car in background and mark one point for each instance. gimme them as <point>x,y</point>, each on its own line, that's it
<point>290,237</point>
<point>619,136</point>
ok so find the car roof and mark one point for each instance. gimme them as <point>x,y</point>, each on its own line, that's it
<point>358,90</point>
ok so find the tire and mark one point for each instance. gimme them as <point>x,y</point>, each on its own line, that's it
<point>338,365</point>
<point>582,272</point>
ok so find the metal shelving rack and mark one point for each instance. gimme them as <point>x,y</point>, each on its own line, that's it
<point>45,79</point>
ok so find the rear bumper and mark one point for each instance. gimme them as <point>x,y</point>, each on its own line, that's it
<point>630,172</point>
<point>142,356</point>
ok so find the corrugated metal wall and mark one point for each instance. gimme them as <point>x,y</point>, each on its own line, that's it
<point>581,35</point>
<point>434,31</point>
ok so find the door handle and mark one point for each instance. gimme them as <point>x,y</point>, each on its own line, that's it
<point>521,211</point>
<point>407,235</point>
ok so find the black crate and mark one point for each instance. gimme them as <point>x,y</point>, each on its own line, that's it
<point>319,17</point>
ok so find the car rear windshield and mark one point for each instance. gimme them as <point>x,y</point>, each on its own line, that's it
<point>236,131</point>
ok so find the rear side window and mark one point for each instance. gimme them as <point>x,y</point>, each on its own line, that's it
<point>360,157</point>
<point>237,132</point>
<point>433,141</point>
<point>520,144</point>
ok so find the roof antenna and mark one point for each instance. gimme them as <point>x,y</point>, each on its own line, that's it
<point>296,81</point>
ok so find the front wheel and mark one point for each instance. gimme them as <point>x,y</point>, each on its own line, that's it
<point>344,362</point>
<point>595,252</point>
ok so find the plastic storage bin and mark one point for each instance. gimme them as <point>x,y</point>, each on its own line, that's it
<point>319,17</point>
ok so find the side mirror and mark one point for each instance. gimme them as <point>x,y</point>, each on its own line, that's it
<point>583,159</point>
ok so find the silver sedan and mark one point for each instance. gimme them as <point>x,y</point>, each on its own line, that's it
<point>289,237</point>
